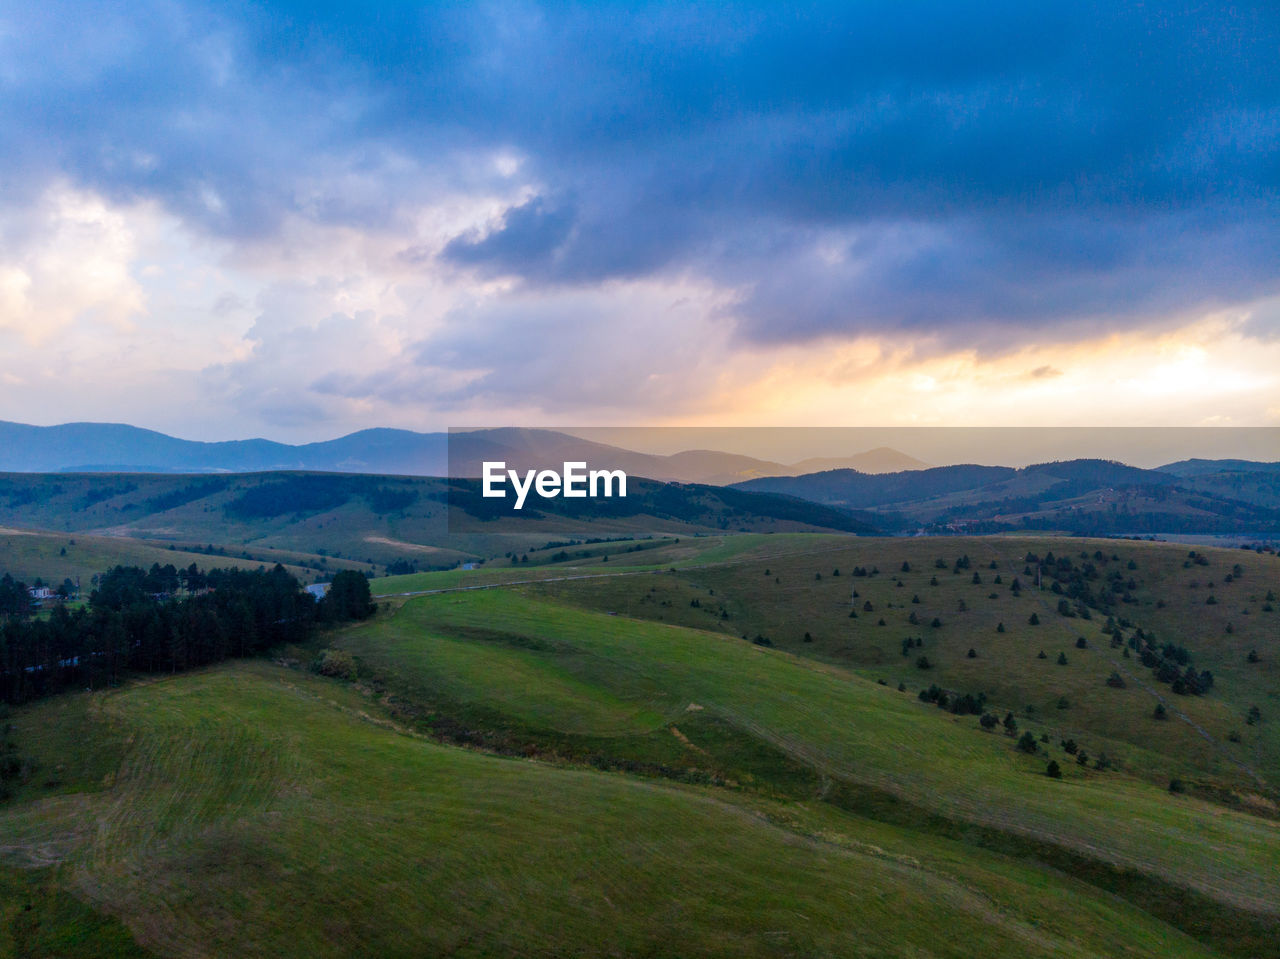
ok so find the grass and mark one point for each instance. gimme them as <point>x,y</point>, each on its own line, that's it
<point>40,919</point>
<point>30,554</point>
<point>635,778</point>
<point>827,718</point>
<point>259,811</point>
<point>675,553</point>
<point>792,601</point>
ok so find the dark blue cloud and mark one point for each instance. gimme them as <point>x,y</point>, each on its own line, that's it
<point>970,164</point>
<point>528,239</point>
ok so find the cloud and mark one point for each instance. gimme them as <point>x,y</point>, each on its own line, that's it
<point>456,205</point>
<point>524,243</point>
<point>1045,372</point>
<point>68,260</point>
<point>576,354</point>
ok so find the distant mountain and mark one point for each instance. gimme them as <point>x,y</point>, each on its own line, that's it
<point>850,488</point>
<point>882,459</point>
<point>529,448</point>
<point>1095,497</point>
<point>1198,467</point>
<point>107,447</point>
<point>116,447</point>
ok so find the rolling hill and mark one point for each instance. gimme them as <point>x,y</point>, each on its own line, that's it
<point>325,520</point>
<point>258,811</point>
<point>1090,497</point>
<point>714,745</point>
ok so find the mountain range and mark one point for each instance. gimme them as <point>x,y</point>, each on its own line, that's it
<point>1229,496</point>
<point>115,447</point>
<point>1234,497</point>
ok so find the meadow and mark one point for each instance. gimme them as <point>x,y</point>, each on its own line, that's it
<point>690,748</point>
<point>256,810</point>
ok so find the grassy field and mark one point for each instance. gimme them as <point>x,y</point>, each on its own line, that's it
<point>598,762</point>
<point>38,554</point>
<point>624,556</point>
<point>255,810</point>
<point>800,597</point>
<point>498,651</point>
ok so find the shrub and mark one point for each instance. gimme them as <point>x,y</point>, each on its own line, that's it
<point>973,653</point>
<point>1034,620</point>
<point>1028,743</point>
<point>923,663</point>
<point>338,663</point>
<point>1053,770</point>
<point>1062,659</point>
<point>1160,712</point>
<point>1115,680</point>
<point>1177,786</point>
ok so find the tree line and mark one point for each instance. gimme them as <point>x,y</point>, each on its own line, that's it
<point>138,620</point>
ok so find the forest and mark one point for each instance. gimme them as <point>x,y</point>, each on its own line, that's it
<point>162,620</point>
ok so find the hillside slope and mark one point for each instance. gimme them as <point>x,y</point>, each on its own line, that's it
<point>267,800</point>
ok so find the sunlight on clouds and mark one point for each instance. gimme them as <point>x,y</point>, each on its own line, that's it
<point>1206,373</point>
<point>73,265</point>
<point>320,329</point>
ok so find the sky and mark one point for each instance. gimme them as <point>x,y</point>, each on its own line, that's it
<point>235,220</point>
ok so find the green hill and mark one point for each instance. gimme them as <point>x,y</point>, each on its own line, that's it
<point>255,811</point>
<point>1156,588</point>
<point>318,519</point>
<point>690,749</point>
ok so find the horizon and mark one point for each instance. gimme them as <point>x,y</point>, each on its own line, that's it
<point>227,222</point>
<point>1017,447</point>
